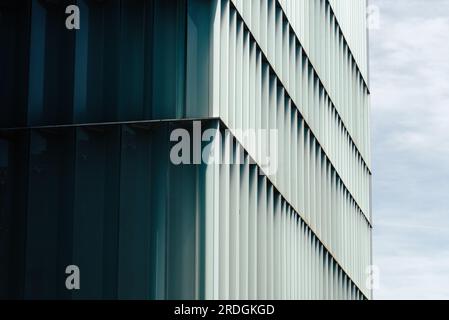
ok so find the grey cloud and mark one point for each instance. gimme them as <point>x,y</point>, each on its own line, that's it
<point>410,129</point>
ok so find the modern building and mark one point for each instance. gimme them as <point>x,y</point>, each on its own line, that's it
<point>269,197</point>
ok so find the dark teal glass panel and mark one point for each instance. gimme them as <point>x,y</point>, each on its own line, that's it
<point>49,213</point>
<point>158,212</point>
<point>14,48</point>
<point>103,197</point>
<point>169,57</point>
<point>96,210</point>
<point>51,65</point>
<point>134,254</point>
<point>113,61</point>
<point>127,62</point>
<point>181,246</point>
<point>13,204</point>
<point>198,58</point>
<point>130,61</point>
<point>107,199</point>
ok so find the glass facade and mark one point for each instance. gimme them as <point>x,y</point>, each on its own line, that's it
<point>127,62</point>
<point>104,198</point>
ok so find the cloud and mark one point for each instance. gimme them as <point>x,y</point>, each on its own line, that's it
<point>410,130</point>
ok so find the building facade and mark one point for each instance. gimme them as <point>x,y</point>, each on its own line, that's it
<point>185,149</point>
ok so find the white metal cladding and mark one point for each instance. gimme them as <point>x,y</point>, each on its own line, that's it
<point>351,16</point>
<point>280,26</point>
<point>264,78</point>
<point>252,95</point>
<point>259,247</point>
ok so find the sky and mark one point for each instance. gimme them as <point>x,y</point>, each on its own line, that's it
<point>409,83</point>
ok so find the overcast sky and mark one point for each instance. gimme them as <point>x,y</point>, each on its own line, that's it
<point>410,132</point>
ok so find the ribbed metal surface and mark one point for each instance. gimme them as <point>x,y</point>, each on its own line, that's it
<point>351,16</point>
<point>259,247</point>
<point>277,25</point>
<point>297,85</point>
<point>264,78</point>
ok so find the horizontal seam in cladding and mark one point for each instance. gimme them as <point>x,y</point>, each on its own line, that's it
<point>301,216</point>
<point>93,124</point>
<point>86,125</point>
<point>315,71</point>
<point>306,123</point>
<point>223,123</point>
